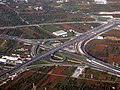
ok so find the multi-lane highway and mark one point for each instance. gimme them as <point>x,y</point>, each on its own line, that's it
<point>97,63</point>
<point>82,37</point>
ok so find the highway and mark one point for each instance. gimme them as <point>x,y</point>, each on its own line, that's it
<point>52,39</point>
<point>32,41</point>
<point>79,38</point>
<point>59,23</point>
<point>97,63</point>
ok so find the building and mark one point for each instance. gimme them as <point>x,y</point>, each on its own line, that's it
<point>62,1</point>
<point>2,60</point>
<point>66,0</point>
<point>13,62</point>
<point>10,60</point>
<point>60,33</point>
<point>100,37</point>
<point>21,1</point>
<point>78,71</point>
<point>100,1</point>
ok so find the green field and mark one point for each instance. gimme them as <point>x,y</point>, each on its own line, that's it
<point>39,62</point>
<point>50,28</point>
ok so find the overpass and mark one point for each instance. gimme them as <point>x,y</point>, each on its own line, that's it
<point>82,37</point>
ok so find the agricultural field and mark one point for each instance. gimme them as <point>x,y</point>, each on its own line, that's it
<point>8,17</point>
<point>59,78</point>
<point>80,28</point>
<point>33,30</point>
<point>36,33</point>
<point>107,49</point>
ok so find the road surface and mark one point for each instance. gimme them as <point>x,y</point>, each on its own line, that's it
<point>79,38</point>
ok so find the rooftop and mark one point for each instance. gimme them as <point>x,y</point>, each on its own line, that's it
<point>60,32</point>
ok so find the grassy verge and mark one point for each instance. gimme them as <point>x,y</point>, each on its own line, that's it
<point>50,28</point>
<point>39,62</point>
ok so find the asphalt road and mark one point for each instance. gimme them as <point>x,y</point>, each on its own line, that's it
<point>79,38</point>
<point>97,63</point>
<point>59,23</point>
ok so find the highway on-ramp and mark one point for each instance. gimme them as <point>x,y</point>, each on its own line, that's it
<point>79,38</point>
<point>97,63</point>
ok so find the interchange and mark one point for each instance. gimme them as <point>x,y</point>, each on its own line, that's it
<point>81,38</point>
<point>96,62</point>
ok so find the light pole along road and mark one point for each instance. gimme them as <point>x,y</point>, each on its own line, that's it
<point>79,38</point>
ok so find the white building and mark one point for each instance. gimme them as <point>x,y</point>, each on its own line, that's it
<point>21,1</point>
<point>2,60</point>
<point>10,60</point>
<point>13,62</point>
<point>66,0</point>
<point>78,71</point>
<point>100,37</point>
<point>100,1</point>
<point>62,1</point>
<point>108,16</point>
<point>60,33</point>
